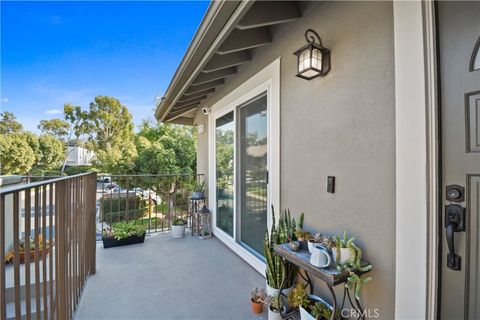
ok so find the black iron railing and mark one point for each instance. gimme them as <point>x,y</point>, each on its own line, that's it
<point>150,200</point>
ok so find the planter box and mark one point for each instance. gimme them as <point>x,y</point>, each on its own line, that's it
<point>112,242</point>
<point>32,255</point>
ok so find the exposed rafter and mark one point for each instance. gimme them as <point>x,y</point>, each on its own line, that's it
<point>245,39</point>
<point>177,111</point>
<point>266,13</point>
<point>215,75</point>
<point>202,88</point>
<point>221,61</point>
<point>196,95</point>
<point>180,113</point>
<point>188,102</point>
<point>181,120</point>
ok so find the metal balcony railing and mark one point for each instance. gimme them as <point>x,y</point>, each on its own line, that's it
<point>151,200</point>
<point>47,230</point>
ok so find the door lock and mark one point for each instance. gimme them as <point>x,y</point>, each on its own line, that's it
<point>454,222</point>
<point>455,193</point>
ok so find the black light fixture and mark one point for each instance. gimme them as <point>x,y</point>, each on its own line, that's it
<point>313,60</point>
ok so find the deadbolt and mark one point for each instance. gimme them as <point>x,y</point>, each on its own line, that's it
<point>455,193</point>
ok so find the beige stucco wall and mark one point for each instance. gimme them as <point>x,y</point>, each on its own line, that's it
<point>341,125</point>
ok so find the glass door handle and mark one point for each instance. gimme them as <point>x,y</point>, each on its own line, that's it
<point>454,222</point>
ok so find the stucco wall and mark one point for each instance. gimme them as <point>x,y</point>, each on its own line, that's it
<point>341,125</point>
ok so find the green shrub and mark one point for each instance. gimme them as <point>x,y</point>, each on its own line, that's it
<point>115,207</point>
<point>78,169</point>
<point>118,216</point>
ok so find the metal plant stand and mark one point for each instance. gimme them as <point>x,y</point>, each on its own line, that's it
<point>194,205</point>
<point>202,223</point>
<point>330,276</point>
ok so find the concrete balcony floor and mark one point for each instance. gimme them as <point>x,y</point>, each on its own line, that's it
<point>166,278</point>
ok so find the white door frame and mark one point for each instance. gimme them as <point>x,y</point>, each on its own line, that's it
<point>266,80</point>
<point>417,167</point>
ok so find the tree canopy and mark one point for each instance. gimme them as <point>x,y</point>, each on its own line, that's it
<point>55,127</point>
<point>9,123</point>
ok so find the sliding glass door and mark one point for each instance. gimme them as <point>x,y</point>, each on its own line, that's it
<point>241,175</point>
<point>224,160</point>
<point>253,174</point>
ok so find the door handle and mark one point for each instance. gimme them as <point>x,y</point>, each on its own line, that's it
<point>454,222</point>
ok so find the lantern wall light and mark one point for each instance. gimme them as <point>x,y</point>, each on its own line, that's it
<point>313,60</point>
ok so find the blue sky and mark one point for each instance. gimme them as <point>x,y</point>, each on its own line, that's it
<point>69,52</point>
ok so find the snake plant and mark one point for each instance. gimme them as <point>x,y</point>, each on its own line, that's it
<point>279,272</point>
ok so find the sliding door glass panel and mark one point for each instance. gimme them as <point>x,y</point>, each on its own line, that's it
<point>253,174</point>
<point>224,146</point>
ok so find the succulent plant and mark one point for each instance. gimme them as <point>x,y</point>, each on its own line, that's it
<point>258,295</point>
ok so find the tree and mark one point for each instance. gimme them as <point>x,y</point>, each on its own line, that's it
<point>58,128</point>
<point>16,154</point>
<point>9,123</point>
<point>52,150</point>
<point>166,149</point>
<point>109,128</point>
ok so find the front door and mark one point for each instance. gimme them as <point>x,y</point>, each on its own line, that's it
<point>459,61</point>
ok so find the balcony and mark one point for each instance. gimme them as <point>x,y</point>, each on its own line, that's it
<point>163,278</point>
<point>166,278</point>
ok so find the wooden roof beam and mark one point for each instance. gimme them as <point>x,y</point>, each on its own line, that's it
<point>267,13</point>
<point>215,75</point>
<point>240,40</point>
<point>203,88</point>
<point>222,61</point>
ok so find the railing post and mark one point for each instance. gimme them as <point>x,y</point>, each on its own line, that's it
<point>62,250</point>
<point>3,306</point>
<point>91,192</point>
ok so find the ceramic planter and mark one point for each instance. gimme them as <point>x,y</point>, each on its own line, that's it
<point>274,292</point>
<point>305,315</point>
<point>110,242</point>
<point>274,315</point>
<point>197,195</point>
<point>257,307</point>
<point>346,255</point>
<point>178,231</point>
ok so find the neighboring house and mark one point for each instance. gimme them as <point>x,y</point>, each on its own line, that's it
<point>78,156</point>
<point>395,120</point>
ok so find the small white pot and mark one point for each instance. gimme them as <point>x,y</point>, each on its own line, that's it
<point>272,315</point>
<point>346,255</point>
<point>274,292</point>
<point>178,231</point>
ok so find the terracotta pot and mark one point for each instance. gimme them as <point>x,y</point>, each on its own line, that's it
<point>32,255</point>
<point>257,307</point>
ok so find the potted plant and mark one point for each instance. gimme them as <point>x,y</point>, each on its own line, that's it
<point>342,249</point>
<point>278,271</point>
<point>355,281</point>
<point>31,253</point>
<point>275,308</point>
<point>258,297</point>
<point>321,239</point>
<point>178,227</point>
<point>311,307</point>
<point>123,233</point>
<point>198,191</point>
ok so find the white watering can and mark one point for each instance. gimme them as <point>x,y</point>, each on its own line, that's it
<point>320,257</point>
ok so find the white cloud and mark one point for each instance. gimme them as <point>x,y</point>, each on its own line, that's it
<point>4,100</point>
<point>54,111</point>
